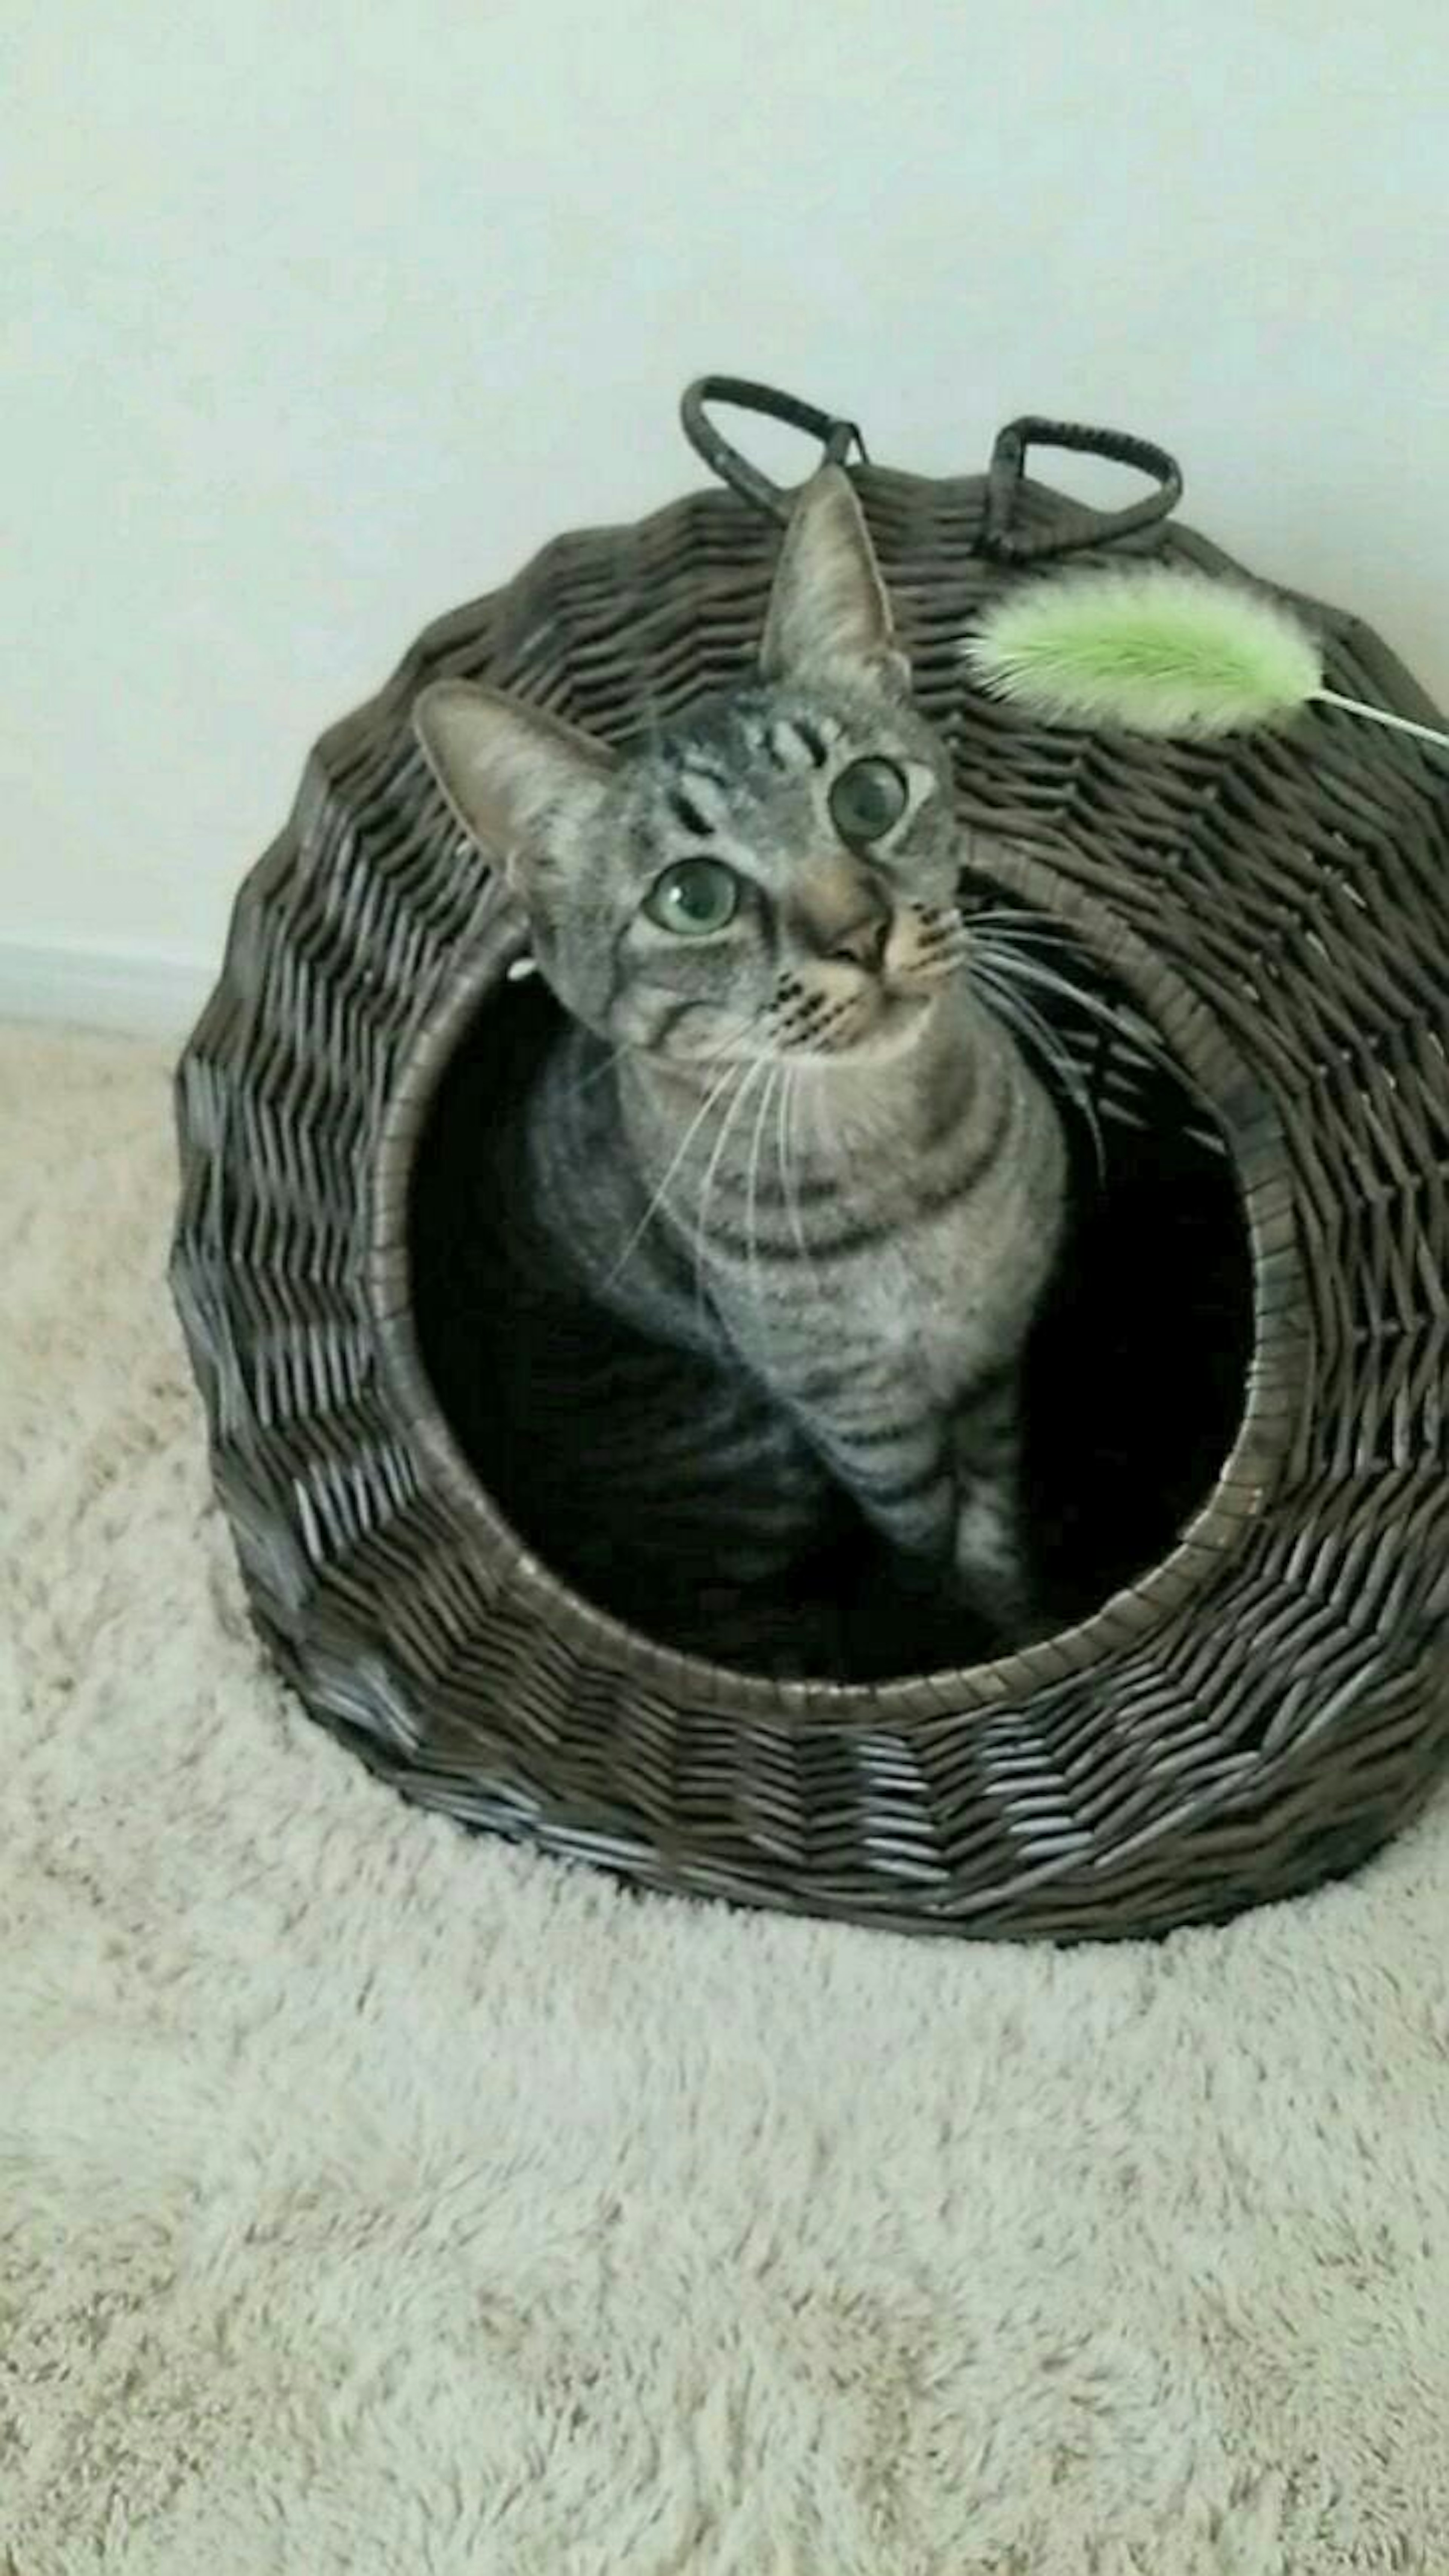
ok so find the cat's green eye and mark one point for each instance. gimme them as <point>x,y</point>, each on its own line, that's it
<point>867,799</point>
<point>694,897</point>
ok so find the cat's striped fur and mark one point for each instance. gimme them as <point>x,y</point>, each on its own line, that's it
<point>798,1149</point>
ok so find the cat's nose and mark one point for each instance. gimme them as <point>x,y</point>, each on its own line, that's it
<point>863,942</point>
<point>839,912</point>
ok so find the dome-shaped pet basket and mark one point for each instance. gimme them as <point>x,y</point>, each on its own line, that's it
<point>1238,1422</point>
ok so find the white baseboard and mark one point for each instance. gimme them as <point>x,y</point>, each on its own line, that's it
<point>104,988</point>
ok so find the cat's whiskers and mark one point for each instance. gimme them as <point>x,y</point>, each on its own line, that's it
<point>752,1176</point>
<point>1015,917</point>
<point>630,1047</point>
<point>756,1065</point>
<point>940,953</point>
<point>738,1071</point>
<point>613,1056</point>
<point>992,979</point>
<point>819,1038</point>
<point>1134,1035</point>
<point>630,1050</point>
<point>789,1095</point>
<point>657,1196</point>
<point>992,947</point>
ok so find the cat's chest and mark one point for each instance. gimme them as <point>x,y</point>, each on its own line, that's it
<point>936,1288</point>
<point>945,1290</point>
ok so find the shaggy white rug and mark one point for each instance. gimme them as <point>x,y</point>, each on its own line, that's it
<point>377,2202</point>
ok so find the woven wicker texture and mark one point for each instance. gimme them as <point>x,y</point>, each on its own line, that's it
<point>1258,1710</point>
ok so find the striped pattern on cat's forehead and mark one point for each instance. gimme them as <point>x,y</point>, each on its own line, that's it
<point>759,734</point>
<point>740,761</point>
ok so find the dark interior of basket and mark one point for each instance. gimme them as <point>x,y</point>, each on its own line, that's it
<point>1136,1371</point>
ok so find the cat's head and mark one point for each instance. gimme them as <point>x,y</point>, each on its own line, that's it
<point>777,876</point>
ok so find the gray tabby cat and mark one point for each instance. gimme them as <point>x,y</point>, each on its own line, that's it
<point>781,1131</point>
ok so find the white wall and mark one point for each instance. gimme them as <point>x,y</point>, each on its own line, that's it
<point>321,316</point>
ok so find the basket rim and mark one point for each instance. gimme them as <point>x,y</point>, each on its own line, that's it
<point>1254,1468</point>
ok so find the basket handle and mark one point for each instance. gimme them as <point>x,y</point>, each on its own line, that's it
<point>1006,543</point>
<point>1000,538</point>
<point>837,437</point>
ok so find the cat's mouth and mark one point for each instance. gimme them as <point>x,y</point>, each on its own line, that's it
<point>902,1004</point>
<point>891,1025</point>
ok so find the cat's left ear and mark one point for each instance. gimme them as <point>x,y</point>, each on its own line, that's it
<point>513,776</point>
<point>829,615</point>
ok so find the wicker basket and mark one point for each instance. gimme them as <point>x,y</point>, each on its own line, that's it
<point>1245,1386</point>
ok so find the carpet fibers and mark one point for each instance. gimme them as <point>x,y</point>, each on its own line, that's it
<point>378,2202</point>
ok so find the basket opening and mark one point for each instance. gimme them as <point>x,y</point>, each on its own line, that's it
<point>1136,1377</point>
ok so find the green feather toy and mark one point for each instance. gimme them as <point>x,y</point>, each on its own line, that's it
<point>1158,652</point>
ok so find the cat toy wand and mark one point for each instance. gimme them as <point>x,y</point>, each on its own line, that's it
<point>1160,652</point>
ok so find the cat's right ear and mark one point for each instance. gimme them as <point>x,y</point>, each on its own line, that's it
<point>512,775</point>
<point>829,616</point>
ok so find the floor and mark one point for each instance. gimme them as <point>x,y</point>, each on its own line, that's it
<point>377,2200</point>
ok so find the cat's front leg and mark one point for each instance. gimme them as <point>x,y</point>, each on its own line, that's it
<point>989,1552</point>
<point>893,1455</point>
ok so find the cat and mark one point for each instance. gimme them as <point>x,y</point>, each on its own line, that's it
<point>780,1134</point>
